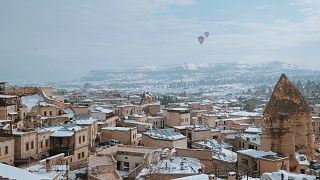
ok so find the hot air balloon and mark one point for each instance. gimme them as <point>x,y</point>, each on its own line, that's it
<point>201,39</point>
<point>206,34</point>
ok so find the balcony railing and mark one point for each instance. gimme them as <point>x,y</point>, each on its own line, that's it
<point>62,147</point>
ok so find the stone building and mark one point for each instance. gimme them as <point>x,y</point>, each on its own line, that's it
<point>121,160</point>
<point>152,109</point>
<point>7,150</point>
<point>157,121</point>
<point>73,141</point>
<point>24,143</point>
<point>47,110</point>
<point>287,124</point>
<point>126,135</point>
<point>164,138</point>
<point>255,163</point>
<point>176,117</point>
<point>34,144</point>
<point>127,110</point>
<point>10,108</point>
<point>91,124</point>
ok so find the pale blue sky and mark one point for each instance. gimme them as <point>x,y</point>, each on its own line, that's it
<point>44,40</point>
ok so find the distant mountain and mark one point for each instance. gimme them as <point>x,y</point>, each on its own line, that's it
<point>204,74</point>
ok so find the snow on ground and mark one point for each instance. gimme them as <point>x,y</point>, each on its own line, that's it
<point>31,101</point>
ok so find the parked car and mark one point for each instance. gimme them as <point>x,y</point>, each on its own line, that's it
<point>114,142</point>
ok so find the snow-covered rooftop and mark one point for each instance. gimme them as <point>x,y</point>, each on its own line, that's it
<point>3,96</point>
<point>62,133</point>
<point>83,119</point>
<point>256,154</point>
<point>225,155</point>
<point>213,144</point>
<point>244,113</point>
<point>286,175</point>
<point>302,159</point>
<point>69,112</point>
<point>66,130</point>
<point>253,130</point>
<point>117,128</point>
<point>45,104</point>
<point>178,109</point>
<point>176,165</point>
<point>138,115</point>
<point>101,109</point>
<point>31,101</point>
<point>254,138</point>
<point>132,121</point>
<point>167,134</point>
<point>57,171</point>
<point>19,174</point>
<point>196,177</point>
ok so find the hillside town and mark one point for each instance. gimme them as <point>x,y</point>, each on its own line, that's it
<point>57,134</point>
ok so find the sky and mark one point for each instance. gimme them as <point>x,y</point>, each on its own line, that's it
<point>43,40</point>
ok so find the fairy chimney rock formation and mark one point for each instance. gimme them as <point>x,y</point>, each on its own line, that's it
<point>287,123</point>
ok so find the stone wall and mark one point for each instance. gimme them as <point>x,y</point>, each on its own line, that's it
<point>161,143</point>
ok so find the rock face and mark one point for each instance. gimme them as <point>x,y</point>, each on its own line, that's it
<point>287,123</point>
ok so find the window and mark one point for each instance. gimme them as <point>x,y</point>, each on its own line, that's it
<point>27,146</point>
<point>32,144</point>
<point>50,112</point>
<point>79,155</point>
<point>126,166</point>
<point>47,142</point>
<point>6,150</point>
<point>41,144</point>
<point>70,159</point>
<point>45,113</point>
<point>82,154</point>
<point>244,161</point>
<point>79,139</point>
<point>83,139</point>
<point>255,167</point>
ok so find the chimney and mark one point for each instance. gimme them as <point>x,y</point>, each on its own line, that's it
<point>48,165</point>
<point>232,176</point>
<point>211,177</point>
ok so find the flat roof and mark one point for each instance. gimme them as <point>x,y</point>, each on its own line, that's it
<point>3,96</point>
<point>177,109</point>
<point>167,134</point>
<point>118,128</point>
<point>256,154</point>
<point>19,174</point>
<point>62,133</point>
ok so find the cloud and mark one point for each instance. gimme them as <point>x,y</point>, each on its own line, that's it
<point>78,36</point>
<point>265,7</point>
